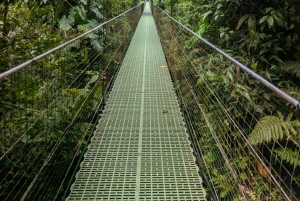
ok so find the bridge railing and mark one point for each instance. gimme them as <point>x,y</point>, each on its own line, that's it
<point>245,131</point>
<point>50,105</point>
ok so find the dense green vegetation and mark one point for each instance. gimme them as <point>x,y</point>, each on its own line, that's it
<point>261,34</point>
<point>234,115</point>
<point>264,35</point>
<point>29,28</point>
<point>49,109</point>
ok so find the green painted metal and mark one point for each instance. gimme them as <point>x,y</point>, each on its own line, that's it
<point>140,149</point>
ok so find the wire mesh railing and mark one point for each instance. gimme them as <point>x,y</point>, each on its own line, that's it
<point>245,130</point>
<point>50,106</point>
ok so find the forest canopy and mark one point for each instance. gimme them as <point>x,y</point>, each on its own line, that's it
<point>263,34</point>
<point>30,27</point>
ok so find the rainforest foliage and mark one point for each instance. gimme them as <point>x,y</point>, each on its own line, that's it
<point>238,112</point>
<point>30,27</point>
<point>48,109</point>
<point>262,34</point>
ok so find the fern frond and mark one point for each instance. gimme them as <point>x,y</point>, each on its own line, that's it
<point>292,67</point>
<point>293,91</point>
<point>271,128</point>
<point>288,155</point>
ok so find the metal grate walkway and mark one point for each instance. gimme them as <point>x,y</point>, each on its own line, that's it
<point>140,150</point>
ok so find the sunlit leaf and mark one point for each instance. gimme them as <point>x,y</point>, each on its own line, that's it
<point>245,17</point>
<point>96,45</point>
<point>205,15</point>
<point>264,18</point>
<point>254,66</point>
<point>269,9</point>
<point>243,176</point>
<point>270,21</point>
<point>66,23</point>
<point>252,26</point>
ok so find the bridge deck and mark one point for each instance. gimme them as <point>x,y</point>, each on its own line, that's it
<point>140,150</point>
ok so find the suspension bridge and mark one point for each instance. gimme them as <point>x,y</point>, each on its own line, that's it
<point>143,108</point>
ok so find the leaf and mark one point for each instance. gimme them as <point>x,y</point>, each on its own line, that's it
<point>201,29</point>
<point>270,128</point>
<point>288,155</point>
<point>223,193</point>
<point>229,75</point>
<point>252,26</point>
<point>84,2</point>
<point>80,13</point>
<point>254,66</point>
<point>93,36</point>
<point>263,51</point>
<point>292,26</point>
<point>245,17</point>
<point>270,21</point>
<point>268,75</point>
<point>98,14</point>
<point>82,28</point>
<point>269,9</point>
<point>75,44</point>
<point>200,81</point>
<point>92,80</point>
<point>95,43</point>
<point>37,139</point>
<point>243,176</point>
<point>209,158</point>
<point>278,21</point>
<point>288,42</point>
<point>205,15</point>
<point>292,67</point>
<point>93,23</point>
<point>25,138</point>
<point>247,96</point>
<point>58,10</point>
<point>266,96</point>
<point>66,23</point>
<point>263,19</point>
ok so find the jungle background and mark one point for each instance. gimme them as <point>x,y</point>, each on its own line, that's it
<point>234,117</point>
<point>264,35</point>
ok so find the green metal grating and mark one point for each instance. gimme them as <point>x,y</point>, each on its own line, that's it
<point>140,150</point>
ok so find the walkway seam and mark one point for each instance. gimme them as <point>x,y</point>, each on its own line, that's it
<point>137,188</point>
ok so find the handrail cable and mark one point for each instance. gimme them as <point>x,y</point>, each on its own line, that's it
<point>265,82</point>
<point>71,82</point>
<point>193,74</point>
<point>27,63</point>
